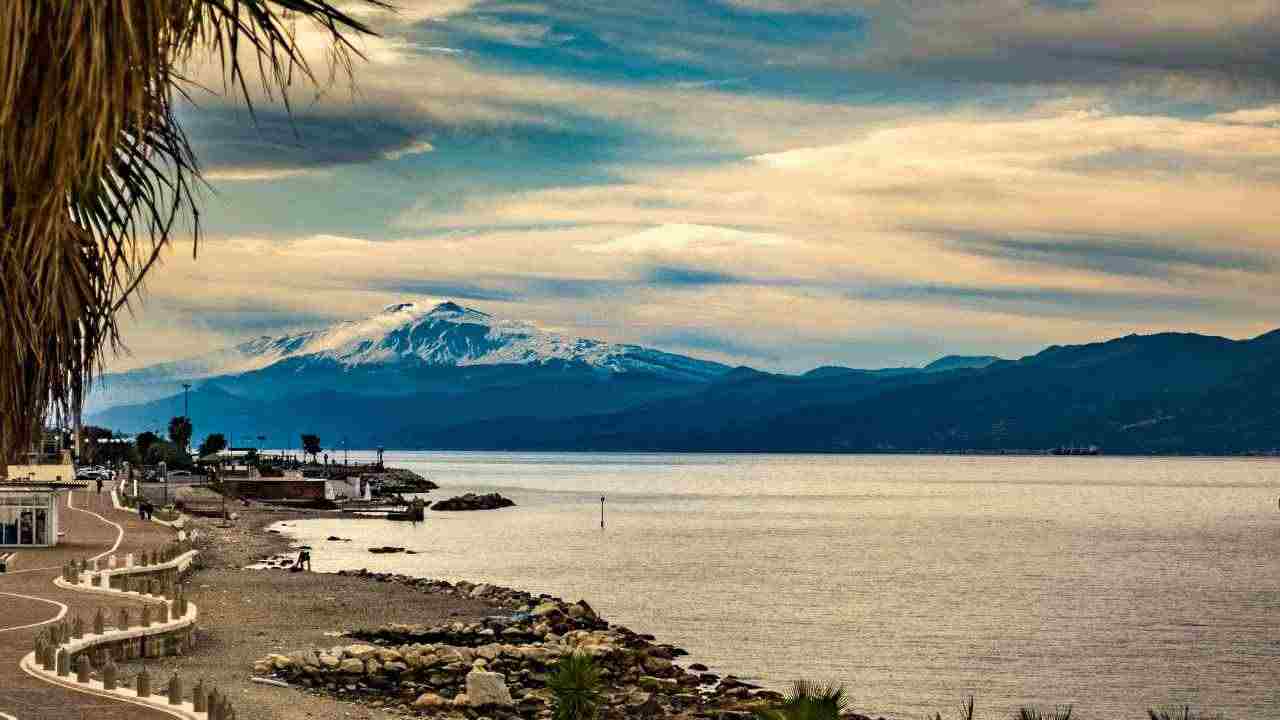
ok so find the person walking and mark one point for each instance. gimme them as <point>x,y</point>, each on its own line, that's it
<point>99,486</point>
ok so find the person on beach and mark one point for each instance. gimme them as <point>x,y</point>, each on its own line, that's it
<point>304,558</point>
<point>99,486</point>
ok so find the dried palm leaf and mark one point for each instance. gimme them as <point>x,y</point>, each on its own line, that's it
<point>96,175</point>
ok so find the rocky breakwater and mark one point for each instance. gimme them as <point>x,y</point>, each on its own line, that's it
<point>398,481</point>
<point>499,668</point>
<point>472,501</point>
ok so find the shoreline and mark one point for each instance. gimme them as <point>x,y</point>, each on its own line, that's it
<point>252,615</point>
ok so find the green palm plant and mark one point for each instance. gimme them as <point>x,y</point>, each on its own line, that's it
<point>966,711</point>
<point>96,174</point>
<point>1062,713</point>
<point>575,683</point>
<point>1183,713</point>
<point>809,700</point>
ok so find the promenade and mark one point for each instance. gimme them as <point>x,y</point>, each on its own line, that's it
<point>29,600</point>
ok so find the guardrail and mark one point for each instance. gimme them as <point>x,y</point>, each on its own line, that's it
<point>82,656</point>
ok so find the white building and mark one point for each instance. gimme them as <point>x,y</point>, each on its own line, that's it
<point>29,504</point>
<point>352,487</point>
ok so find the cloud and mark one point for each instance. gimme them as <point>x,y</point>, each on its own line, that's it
<point>686,239</point>
<point>687,277</point>
<point>832,177</point>
<point>415,148</point>
<point>1269,115</point>
<point>1123,256</point>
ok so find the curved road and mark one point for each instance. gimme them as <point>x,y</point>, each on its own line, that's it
<point>29,600</point>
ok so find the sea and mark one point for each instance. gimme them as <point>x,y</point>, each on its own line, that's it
<point>1109,584</point>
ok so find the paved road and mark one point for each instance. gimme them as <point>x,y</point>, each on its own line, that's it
<point>29,600</point>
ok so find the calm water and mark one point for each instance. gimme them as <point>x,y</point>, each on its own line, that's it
<point>1109,583</point>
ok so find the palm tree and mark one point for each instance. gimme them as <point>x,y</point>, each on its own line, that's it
<point>575,683</point>
<point>809,700</point>
<point>96,174</point>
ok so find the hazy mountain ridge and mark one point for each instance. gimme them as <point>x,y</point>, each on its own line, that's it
<point>450,377</point>
<point>403,339</point>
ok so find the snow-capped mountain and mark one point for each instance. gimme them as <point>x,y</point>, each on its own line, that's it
<point>401,337</point>
<point>452,335</point>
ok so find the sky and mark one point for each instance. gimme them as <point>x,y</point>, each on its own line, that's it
<point>777,183</point>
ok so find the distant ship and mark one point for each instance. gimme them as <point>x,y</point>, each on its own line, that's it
<point>1090,450</point>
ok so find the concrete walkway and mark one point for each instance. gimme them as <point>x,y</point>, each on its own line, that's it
<point>29,600</point>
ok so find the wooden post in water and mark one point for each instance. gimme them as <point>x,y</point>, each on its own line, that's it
<point>601,512</point>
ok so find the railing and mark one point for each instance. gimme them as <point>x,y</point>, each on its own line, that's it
<point>69,652</point>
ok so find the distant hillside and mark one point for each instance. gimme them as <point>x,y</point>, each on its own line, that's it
<point>1157,394</point>
<point>449,377</point>
<point>961,362</point>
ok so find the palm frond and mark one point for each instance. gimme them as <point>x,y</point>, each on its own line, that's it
<point>575,684</point>
<point>96,174</point>
<point>1061,713</point>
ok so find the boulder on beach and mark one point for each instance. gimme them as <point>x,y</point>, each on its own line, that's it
<point>487,688</point>
<point>472,501</point>
<point>386,550</point>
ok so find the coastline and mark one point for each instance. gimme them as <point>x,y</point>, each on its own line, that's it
<point>252,614</point>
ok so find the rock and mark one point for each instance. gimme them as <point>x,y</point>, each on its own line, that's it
<point>642,704</point>
<point>429,701</point>
<point>650,682</point>
<point>328,661</point>
<point>386,550</point>
<point>352,666</point>
<point>490,651</point>
<point>655,665</point>
<point>359,652</point>
<point>546,609</point>
<point>698,667</point>
<point>471,501</point>
<point>487,688</point>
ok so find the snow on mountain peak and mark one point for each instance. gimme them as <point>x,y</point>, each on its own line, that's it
<point>412,334</point>
<point>450,334</point>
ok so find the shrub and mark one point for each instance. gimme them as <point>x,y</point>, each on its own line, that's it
<point>1062,713</point>
<point>966,711</point>
<point>809,700</point>
<point>1183,713</point>
<point>575,682</point>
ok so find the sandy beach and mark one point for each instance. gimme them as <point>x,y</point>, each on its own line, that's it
<point>246,614</point>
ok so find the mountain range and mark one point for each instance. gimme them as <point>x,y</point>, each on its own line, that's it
<point>450,377</point>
